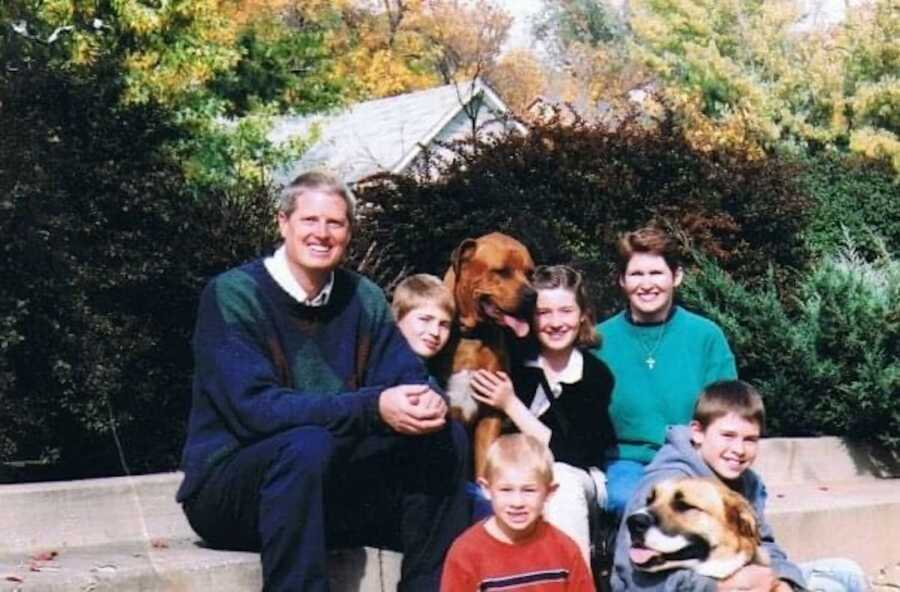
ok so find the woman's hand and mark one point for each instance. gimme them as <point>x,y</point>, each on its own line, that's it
<point>494,389</point>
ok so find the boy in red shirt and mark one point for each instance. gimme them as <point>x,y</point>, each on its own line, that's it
<point>515,549</point>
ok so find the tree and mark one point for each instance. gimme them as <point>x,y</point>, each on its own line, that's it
<point>587,44</point>
<point>467,36</point>
<point>204,59</point>
<point>518,77</point>
<point>562,25</point>
<point>394,46</point>
<point>380,50</point>
<point>747,65</point>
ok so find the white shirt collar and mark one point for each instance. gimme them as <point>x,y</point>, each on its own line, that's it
<point>571,374</point>
<point>277,266</point>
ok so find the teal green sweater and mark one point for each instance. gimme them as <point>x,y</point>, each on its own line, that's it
<point>691,353</point>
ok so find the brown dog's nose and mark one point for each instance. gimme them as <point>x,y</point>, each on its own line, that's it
<point>528,297</point>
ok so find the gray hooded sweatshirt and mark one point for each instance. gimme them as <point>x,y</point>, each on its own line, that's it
<point>679,458</point>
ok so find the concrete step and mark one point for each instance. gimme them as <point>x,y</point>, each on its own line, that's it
<point>91,512</point>
<point>858,519</point>
<point>821,460</point>
<point>180,566</point>
<point>832,498</point>
<point>127,533</point>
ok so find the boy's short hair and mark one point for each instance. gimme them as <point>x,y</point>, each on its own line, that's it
<point>420,289</point>
<point>522,451</point>
<point>730,396</point>
<point>550,277</point>
<point>649,239</point>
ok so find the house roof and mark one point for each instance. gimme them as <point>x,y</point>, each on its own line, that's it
<point>380,135</point>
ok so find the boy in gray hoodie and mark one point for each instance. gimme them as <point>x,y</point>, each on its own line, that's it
<point>721,441</point>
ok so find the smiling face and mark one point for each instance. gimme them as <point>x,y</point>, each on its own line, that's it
<point>649,284</point>
<point>728,444</point>
<point>517,497</point>
<point>426,328</point>
<point>557,319</point>
<point>316,235</point>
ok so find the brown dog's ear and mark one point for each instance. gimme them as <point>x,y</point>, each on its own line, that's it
<point>455,282</point>
<point>741,517</point>
<point>462,253</point>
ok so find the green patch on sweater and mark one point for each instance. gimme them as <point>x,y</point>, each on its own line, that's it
<point>312,372</point>
<point>238,298</point>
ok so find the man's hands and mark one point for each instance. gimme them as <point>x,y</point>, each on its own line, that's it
<point>754,578</point>
<point>412,409</point>
<point>493,389</point>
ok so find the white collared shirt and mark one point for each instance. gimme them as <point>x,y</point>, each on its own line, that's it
<point>571,374</point>
<point>277,266</point>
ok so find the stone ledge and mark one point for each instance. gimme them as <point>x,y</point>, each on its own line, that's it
<point>90,512</point>
<point>181,566</point>
<point>127,533</point>
<point>822,460</point>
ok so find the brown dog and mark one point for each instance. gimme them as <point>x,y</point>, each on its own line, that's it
<point>489,279</point>
<point>698,524</point>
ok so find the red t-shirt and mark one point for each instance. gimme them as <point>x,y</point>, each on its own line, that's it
<point>548,561</point>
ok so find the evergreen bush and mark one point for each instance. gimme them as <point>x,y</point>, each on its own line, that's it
<point>828,362</point>
<point>851,196</point>
<point>104,254</point>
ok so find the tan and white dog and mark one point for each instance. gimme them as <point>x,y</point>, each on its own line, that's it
<point>489,280</point>
<point>695,523</point>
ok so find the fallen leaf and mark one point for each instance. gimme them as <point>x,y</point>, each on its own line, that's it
<point>11,578</point>
<point>48,555</point>
<point>159,544</point>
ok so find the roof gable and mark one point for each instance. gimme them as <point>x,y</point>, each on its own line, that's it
<point>381,135</point>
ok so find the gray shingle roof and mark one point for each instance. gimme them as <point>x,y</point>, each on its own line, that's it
<point>380,135</point>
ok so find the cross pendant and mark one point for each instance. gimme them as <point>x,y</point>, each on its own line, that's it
<point>650,362</point>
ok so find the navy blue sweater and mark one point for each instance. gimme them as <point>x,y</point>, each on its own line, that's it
<point>265,363</point>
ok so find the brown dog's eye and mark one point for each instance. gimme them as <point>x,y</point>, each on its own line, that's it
<point>680,505</point>
<point>652,497</point>
<point>504,272</point>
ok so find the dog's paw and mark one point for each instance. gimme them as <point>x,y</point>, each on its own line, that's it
<point>462,404</point>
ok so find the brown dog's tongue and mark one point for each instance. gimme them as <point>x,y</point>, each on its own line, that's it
<point>640,555</point>
<point>519,327</point>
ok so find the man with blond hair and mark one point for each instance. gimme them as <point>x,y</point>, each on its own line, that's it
<point>312,423</point>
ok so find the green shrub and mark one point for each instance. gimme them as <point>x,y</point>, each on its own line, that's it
<point>851,197</point>
<point>567,192</point>
<point>830,362</point>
